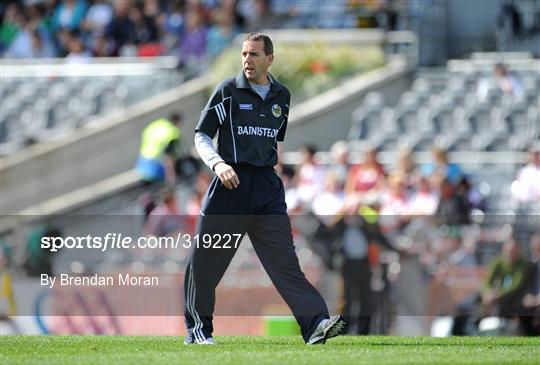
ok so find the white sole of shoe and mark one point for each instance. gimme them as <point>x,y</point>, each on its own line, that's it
<point>334,329</point>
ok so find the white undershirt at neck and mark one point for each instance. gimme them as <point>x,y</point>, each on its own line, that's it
<point>262,90</point>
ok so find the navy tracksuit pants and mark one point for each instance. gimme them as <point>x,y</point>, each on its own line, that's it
<point>257,207</point>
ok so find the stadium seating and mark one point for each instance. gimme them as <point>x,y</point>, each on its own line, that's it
<point>442,108</point>
<point>41,108</point>
<point>446,109</point>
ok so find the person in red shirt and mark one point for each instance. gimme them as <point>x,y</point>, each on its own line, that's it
<point>367,178</point>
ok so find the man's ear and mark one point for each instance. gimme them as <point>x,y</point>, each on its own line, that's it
<point>270,60</point>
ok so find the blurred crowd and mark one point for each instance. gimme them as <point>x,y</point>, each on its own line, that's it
<point>368,214</point>
<point>194,30</point>
<point>374,223</point>
<point>79,29</point>
<point>511,291</point>
<point>200,29</point>
<point>405,191</point>
<point>400,192</point>
<point>369,210</point>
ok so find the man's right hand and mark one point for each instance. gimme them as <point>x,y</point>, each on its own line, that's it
<point>227,175</point>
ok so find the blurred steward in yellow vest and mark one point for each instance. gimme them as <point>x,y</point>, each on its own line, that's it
<point>7,299</point>
<point>160,141</point>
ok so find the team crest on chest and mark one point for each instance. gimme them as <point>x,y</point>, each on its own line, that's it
<point>276,110</point>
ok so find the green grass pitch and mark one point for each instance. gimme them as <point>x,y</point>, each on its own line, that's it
<point>267,350</point>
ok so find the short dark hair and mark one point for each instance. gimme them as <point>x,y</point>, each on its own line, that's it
<point>268,45</point>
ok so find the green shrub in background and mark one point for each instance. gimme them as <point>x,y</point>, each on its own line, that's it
<point>309,69</point>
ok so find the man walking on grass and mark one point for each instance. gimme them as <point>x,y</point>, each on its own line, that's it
<point>249,113</point>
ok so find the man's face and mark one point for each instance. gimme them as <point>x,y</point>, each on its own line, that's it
<point>255,62</point>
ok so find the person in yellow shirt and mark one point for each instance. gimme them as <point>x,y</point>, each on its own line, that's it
<point>8,306</point>
<point>158,152</point>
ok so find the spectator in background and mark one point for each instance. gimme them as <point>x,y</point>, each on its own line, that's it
<point>12,22</point>
<point>394,203</point>
<point>69,15</point>
<point>340,162</point>
<point>505,282</point>
<point>501,292</point>
<point>159,150</point>
<point>406,166</point>
<point>310,176</point>
<point>172,26</point>
<point>193,41</point>
<point>259,14</point>
<point>530,314</point>
<point>29,43</point>
<point>424,200</point>
<point>77,51</point>
<point>526,186</point>
<point>121,27</point>
<point>233,8</point>
<point>222,33</point>
<point>452,209</point>
<point>441,169</point>
<point>39,260</point>
<point>63,37</point>
<point>152,9</point>
<point>330,201</point>
<point>165,218</point>
<point>41,46</point>
<point>41,21</point>
<point>365,181</point>
<point>247,9</point>
<point>507,83</point>
<point>8,306</point>
<point>359,243</point>
<point>144,27</point>
<point>356,274</point>
<point>462,251</point>
<point>422,205</point>
<point>469,194</point>
<point>98,17</point>
<point>33,39</point>
<point>101,47</point>
<point>145,38</point>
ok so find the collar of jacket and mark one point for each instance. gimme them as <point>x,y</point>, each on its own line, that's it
<point>243,83</point>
